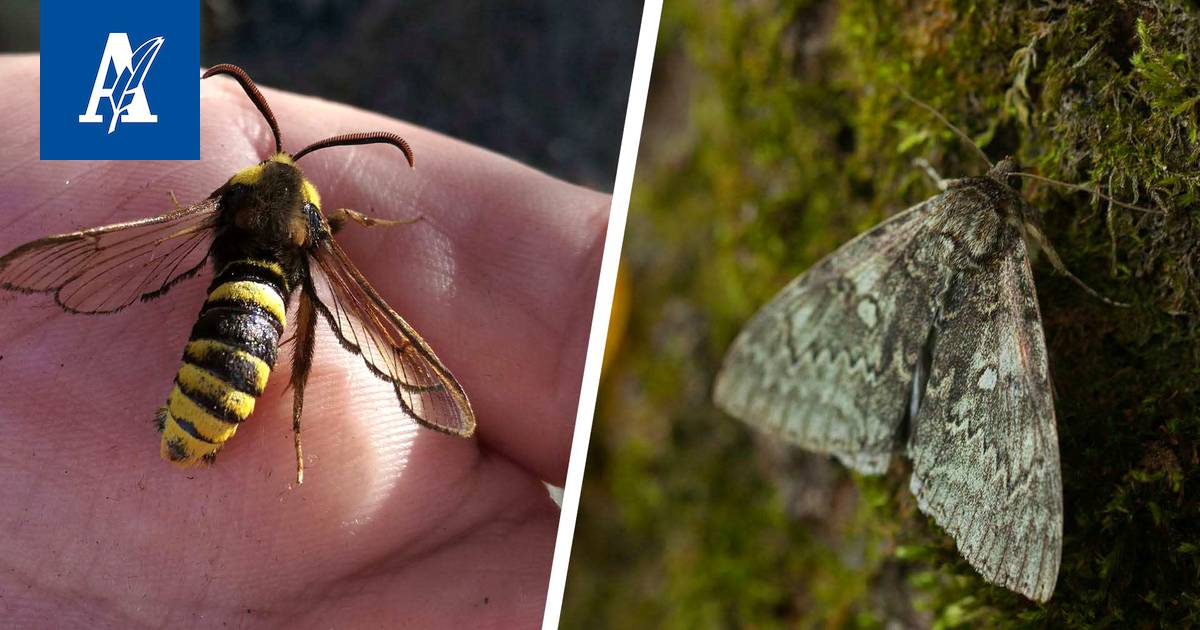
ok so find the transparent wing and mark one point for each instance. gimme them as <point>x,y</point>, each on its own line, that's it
<point>104,269</point>
<point>393,351</point>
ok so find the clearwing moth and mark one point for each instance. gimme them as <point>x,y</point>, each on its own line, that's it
<point>267,240</point>
<point>923,337</point>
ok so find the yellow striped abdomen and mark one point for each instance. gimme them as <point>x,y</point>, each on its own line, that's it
<point>227,361</point>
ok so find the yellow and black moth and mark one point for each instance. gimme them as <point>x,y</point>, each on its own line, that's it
<point>267,240</point>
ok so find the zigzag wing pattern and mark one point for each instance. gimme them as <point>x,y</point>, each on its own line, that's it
<point>984,445</point>
<point>828,363</point>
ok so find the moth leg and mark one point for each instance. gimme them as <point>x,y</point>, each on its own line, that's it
<point>938,180</point>
<point>175,200</point>
<point>338,219</point>
<point>302,356</point>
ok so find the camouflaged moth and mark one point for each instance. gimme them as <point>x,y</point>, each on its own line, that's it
<point>922,337</point>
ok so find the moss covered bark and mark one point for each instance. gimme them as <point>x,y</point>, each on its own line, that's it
<point>777,131</point>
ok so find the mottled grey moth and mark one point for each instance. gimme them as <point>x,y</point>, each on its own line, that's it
<point>922,336</point>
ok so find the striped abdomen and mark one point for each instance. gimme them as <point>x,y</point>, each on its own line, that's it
<point>226,362</point>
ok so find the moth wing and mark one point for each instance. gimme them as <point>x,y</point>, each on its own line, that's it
<point>394,352</point>
<point>984,444</point>
<point>828,363</point>
<point>105,269</point>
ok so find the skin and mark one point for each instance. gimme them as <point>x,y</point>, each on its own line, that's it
<point>394,525</point>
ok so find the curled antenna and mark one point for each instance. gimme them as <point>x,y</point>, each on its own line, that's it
<point>252,91</point>
<point>958,132</point>
<point>375,137</point>
<point>1089,189</point>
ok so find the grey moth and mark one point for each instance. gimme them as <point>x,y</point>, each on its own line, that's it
<point>922,337</point>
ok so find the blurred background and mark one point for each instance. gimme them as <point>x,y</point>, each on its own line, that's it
<point>545,82</point>
<point>775,132</point>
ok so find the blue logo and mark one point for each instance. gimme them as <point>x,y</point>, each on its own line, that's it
<point>120,81</point>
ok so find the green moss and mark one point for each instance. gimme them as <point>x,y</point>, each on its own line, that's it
<point>777,131</point>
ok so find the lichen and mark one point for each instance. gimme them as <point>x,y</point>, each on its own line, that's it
<point>777,130</point>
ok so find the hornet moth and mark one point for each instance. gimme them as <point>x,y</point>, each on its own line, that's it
<point>268,241</point>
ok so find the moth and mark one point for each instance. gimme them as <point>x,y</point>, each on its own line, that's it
<point>923,337</point>
<point>268,242</point>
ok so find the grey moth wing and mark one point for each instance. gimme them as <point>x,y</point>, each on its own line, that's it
<point>837,362</point>
<point>828,364</point>
<point>984,445</point>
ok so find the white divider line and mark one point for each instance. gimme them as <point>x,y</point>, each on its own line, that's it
<point>642,64</point>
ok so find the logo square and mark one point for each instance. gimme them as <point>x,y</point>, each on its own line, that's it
<point>120,81</point>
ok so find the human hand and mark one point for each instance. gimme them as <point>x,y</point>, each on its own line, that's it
<point>394,525</point>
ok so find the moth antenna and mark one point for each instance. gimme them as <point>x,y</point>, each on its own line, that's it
<point>1099,194</point>
<point>1058,265</point>
<point>251,91</point>
<point>349,139</point>
<point>958,132</point>
<point>939,181</point>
